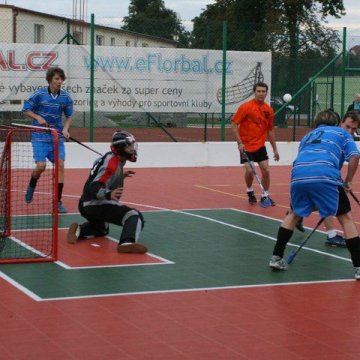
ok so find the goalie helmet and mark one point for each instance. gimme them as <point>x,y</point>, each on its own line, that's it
<point>327,117</point>
<point>124,144</point>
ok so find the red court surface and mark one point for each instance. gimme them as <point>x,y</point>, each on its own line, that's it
<point>99,252</point>
<point>286,321</point>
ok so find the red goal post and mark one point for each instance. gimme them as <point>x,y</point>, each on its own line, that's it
<point>28,231</point>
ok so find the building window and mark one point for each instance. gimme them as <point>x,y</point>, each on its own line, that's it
<point>127,43</point>
<point>77,35</point>
<point>99,40</point>
<point>39,33</point>
<point>112,41</point>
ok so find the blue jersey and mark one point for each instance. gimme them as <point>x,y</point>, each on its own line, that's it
<point>50,107</point>
<point>321,155</point>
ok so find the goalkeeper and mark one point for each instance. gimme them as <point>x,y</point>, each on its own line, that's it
<point>100,201</point>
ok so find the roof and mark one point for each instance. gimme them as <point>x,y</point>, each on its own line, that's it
<point>133,33</point>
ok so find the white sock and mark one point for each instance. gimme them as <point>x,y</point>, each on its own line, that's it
<point>249,189</point>
<point>266,193</point>
<point>331,234</point>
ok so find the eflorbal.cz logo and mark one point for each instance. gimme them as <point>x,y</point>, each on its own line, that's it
<point>151,63</point>
<point>33,60</point>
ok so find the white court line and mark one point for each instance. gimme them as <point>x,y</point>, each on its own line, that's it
<point>20,287</point>
<point>217,288</point>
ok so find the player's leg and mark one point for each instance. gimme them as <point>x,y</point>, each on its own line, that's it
<point>300,207</point>
<point>300,224</point>
<point>332,237</point>
<point>133,223</point>
<point>285,233</point>
<point>350,231</point>
<point>87,230</point>
<point>61,208</point>
<point>262,158</point>
<point>61,166</point>
<point>98,216</point>
<point>40,150</point>
<point>249,178</point>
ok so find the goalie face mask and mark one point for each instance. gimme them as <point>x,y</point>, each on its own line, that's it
<point>124,144</point>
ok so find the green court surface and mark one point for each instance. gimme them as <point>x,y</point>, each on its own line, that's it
<point>215,248</point>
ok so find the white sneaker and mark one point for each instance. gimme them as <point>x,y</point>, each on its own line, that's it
<point>278,263</point>
<point>357,273</point>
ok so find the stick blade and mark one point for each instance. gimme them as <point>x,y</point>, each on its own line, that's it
<point>291,257</point>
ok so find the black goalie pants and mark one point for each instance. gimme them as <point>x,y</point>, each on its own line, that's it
<point>99,216</point>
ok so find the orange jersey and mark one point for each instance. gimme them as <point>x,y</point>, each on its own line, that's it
<point>255,120</point>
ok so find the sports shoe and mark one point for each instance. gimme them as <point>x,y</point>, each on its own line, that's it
<point>278,263</point>
<point>129,247</point>
<point>29,194</point>
<point>266,201</point>
<point>336,241</point>
<point>61,208</point>
<point>73,233</point>
<point>251,197</point>
<point>299,225</point>
<point>357,273</point>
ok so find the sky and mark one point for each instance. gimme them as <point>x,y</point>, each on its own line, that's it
<point>111,12</point>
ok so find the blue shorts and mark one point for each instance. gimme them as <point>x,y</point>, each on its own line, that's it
<point>43,150</point>
<point>307,197</point>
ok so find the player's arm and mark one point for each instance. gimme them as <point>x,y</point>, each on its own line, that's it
<point>66,127</point>
<point>272,140</point>
<point>29,107</point>
<point>99,191</point>
<point>36,117</point>
<point>351,170</point>
<point>129,173</point>
<point>235,127</point>
<point>68,118</point>
<point>271,135</point>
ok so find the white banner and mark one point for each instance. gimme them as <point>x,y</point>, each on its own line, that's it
<point>131,79</point>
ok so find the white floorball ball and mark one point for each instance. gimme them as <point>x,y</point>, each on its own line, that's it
<point>287,97</point>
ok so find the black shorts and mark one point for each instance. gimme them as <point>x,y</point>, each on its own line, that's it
<point>256,156</point>
<point>344,203</point>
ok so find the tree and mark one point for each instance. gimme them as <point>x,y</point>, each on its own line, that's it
<point>153,18</point>
<point>245,19</point>
<point>286,26</point>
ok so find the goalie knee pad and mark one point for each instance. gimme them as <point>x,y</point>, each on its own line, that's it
<point>133,223</point>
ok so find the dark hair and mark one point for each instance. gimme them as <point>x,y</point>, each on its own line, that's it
<point>54,71</point>
<point>353,115</point>
<point>260,84</point>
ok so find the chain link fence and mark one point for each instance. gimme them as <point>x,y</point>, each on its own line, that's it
<point>163,93</point>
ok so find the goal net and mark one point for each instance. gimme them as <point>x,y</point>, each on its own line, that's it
<point>28,231</point>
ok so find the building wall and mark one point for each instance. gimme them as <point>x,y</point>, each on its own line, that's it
<point>55,28</point>
<point>6,25</point>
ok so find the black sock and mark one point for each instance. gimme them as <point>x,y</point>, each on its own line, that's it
<point>353,246</point>
<point>33,182</point>
<point>60,189</point>
<point>283,237</point>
